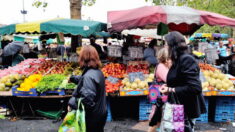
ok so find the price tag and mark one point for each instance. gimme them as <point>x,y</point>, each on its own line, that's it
<point>136,52</point>
<point>115,51</point>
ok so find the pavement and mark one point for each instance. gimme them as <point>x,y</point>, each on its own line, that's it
<point>114,126</point>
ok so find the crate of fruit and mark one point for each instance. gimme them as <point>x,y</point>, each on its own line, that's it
<point>59,92</point>
<point>138,66</point>
<point>136,52</point>
<point>115,51</point>
<point>31,92</point>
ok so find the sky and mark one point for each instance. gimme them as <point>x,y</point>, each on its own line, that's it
<point>10,10</point>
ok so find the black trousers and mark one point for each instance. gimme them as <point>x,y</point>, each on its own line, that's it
<point>94,125</point>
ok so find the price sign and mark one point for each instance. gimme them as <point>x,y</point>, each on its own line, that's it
<point>115,51</point>
<point>136,52</point>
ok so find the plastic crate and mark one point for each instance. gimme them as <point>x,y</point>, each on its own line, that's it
<point>109,116</point>
<point>229,109</point>
<point>225,100</point>
<point>144,117</point>
<point>224,117</point>
<point>144,109</point>
<point>203,118</point>
<point>32,92</point>
<point>50,114</point>
<point>225,105</point>
<point>59,92</point>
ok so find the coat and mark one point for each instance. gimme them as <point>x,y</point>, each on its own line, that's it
<point>94,99</point>
<point>184,77</point>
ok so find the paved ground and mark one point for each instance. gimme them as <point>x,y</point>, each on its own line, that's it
<point>115,126</point>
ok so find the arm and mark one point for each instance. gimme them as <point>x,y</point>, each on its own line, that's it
<point>87,93</point>
<point>74,79</point>
<point>162,72</point>
<point>190,74</point>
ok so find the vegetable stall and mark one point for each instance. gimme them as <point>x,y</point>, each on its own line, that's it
<point>128,75</point>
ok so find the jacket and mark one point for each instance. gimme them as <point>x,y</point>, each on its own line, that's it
<point>184,77</point>
<point>92,92</point>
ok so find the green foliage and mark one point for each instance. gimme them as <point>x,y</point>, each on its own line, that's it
<point>44,4</point>
<point>162,2</point>
<point>39,3</point>
<point>88,2</point>
<point>50,82</point>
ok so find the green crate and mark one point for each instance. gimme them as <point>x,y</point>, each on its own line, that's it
<point>50,114</point>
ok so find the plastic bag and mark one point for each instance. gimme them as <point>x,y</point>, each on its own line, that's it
<point>74,121</point>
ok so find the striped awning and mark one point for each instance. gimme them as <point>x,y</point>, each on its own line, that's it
<point>178,18</point>
<point>66,26</point>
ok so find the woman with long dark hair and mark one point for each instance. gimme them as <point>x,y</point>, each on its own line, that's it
<point>183,79</point>
<point>92,91</point>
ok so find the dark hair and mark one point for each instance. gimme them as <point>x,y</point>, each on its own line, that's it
<point>89,57</point>
<point>152,43</point>
<point>177,45</point>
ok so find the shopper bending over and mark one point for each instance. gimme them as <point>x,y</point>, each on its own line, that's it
<point>93,90</point>
<point>183,79</point>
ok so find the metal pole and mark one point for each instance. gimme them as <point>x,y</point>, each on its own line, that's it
<point>23,11</point>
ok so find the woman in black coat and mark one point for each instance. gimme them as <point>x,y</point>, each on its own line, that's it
<point>92,91</point>
<point>183,78</point>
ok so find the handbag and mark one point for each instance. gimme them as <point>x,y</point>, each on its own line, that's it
<point>154,92</point>
<point>173,116</point>
<point>74,121</point>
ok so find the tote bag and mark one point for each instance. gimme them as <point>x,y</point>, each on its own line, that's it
<point>173,116</point>
<point>74,121</point>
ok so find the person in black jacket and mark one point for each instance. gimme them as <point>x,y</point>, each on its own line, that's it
<point>92,91</point>
<point>183,79</point>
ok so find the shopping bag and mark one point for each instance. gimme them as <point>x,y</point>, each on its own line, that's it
<point>74,121</point>
<point>173,116</point>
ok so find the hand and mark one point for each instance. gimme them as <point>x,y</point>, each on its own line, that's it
<point>164,89</point>
<point>69,109</point>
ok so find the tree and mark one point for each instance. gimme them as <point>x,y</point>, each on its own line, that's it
<point>75,13</point>
<point>224,7</point>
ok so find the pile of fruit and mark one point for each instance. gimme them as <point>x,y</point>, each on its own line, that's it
<point>50,82</point>
<point>77,71</point>
<point>7,82</point>
<point>112,84</point>
<point>26,67</point>
<point>59,68</point>
<point>215,80</point>
<point>30,82</point>
<point>45,67</point>
<point>115,70</point>
<point>204,66</point>
<point>137,84</point>
<point>138,68</point>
